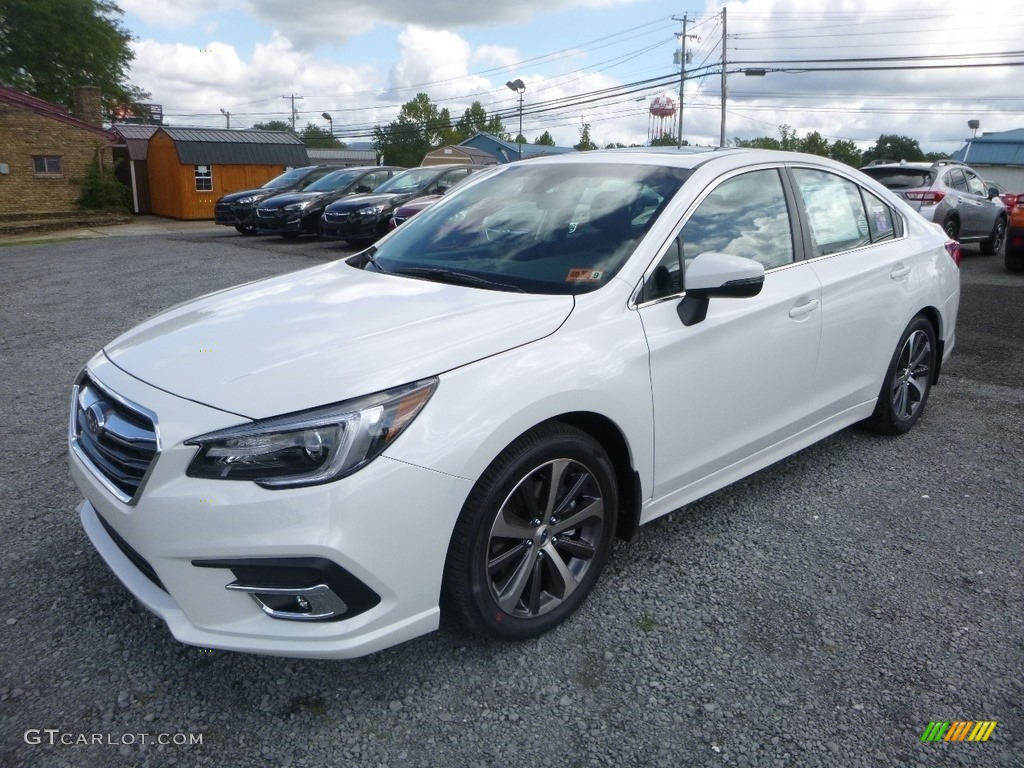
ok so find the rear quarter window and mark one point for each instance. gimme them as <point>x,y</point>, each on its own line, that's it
<point>901,178</point>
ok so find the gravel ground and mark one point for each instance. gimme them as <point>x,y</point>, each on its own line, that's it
<point>820,613</point>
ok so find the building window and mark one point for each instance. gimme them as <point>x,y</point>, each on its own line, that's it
<point>204,178</point>
<point>46,165</point>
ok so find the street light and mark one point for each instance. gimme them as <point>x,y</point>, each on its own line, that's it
<point>227,115</point>
<point>330,120</point>
<point>519,87</point>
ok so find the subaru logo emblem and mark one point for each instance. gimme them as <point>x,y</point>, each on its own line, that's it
<point>95,420</point>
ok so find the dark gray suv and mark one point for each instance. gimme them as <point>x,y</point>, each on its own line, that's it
<point>950,194</point>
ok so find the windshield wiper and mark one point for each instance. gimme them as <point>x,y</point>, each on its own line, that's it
<point>444,275</point>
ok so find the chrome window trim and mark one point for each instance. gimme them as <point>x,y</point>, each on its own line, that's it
<point>73,444</point>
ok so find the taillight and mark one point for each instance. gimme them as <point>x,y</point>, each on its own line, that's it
<point>953,249</point>
<point>929,196</point>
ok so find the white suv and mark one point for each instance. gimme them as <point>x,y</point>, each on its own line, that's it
<point>464,416</point>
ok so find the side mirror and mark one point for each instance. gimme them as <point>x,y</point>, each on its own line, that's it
<point>993,193</point>
<point>363,188</point>
<point>717,275</point>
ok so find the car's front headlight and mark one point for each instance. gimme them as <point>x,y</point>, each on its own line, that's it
<point>298,206</point>
<point>310,447</point>
<point>373,210</point>
<point>248,200</point>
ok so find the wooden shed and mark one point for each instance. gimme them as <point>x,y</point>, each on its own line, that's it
<point>190,168</point>
<point>458,154</point>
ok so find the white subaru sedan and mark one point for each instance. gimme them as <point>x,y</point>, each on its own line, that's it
<point>463,417</point>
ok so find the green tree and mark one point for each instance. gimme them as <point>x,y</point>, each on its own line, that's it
<point>667,140</point>
<point>814,144</point>
<point>50,47</point>
<point>586,143</point>
<point>274,125</point>
<point>894,148</point>
<point>761,142</point>
<point>845,152</point>
<point>316,137</point>
<point>545,139</point>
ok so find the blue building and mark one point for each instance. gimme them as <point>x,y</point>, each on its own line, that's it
<point>507,151</point>
<point>998,157</point>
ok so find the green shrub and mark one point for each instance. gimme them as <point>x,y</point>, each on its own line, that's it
<point>101,191</point>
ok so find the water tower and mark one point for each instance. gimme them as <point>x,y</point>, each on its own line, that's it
<point>662,117</point>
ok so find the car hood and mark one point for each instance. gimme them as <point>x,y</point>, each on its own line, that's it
<point>324,335</point>
<point>232,197</point>
<point>355,202</point>
<point>279,200</point>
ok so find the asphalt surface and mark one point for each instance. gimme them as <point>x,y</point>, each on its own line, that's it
<point>819,613</point>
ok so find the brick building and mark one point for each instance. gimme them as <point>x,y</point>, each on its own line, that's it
<point>43,148</point>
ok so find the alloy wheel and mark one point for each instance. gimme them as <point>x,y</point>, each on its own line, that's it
<point>913,372</point>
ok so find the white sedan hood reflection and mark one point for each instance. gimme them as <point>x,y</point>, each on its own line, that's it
<point>324,335</point>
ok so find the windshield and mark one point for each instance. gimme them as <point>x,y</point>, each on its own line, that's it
<point>287,179</point>
<point>559,228</point>
<point>409,181</point>
<point>334,181</point>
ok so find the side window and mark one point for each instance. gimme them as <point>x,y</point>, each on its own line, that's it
<point>881,221</point>
<point>975,185</point>
<point>956,180</point>
<point>204,178</point>
<point>835,212</point>
<point>745,216</point>
<point>450,178</point>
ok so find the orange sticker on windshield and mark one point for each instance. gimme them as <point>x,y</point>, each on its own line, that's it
<point>584,276</point>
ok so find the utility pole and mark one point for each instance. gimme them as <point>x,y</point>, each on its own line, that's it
<point>293,97</point>
<point>725,82</point>
<point>682,71</point>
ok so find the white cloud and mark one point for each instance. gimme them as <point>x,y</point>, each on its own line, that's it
<point>173,13</point>
<point>315,21</point>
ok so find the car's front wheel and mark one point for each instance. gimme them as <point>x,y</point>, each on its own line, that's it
<point>991,246</point>
<point>246,229</point>
<point>534,534</point>
<point>908,380</point>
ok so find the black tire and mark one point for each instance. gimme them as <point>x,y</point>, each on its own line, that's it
<point>248,229</point>
<point>991,246</point>
<point>516,566</point>
<point>952,229</point>
<point>908,380</point>
<point>1014,260</point>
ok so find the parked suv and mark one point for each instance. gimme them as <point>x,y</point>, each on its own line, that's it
<point>950,194</point>
<point>238,209</point>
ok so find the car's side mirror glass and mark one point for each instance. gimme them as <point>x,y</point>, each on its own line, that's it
<point>993,193</point>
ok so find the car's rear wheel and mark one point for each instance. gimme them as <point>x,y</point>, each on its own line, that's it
<point>991,246</point>
<point>533,536</point>
<point>908,380</point>
<point>246,229</point>
<point>952,229</point>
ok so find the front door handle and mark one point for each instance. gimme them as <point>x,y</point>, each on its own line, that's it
<point>802,309</point>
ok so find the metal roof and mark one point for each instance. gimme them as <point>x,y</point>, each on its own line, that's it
<point>330,153</point>
<point>507,151</point>
<point>1002,148</point>
<point>135,137</point>
<point>209,146</point>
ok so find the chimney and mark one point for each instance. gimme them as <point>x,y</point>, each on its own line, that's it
<point>87,105</point>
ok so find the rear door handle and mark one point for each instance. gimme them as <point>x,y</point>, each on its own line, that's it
<point>900,270</point>
<point>802,309</point>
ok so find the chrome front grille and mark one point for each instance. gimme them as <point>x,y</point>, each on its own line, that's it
<point>336,217</point>
<point>115,438</point>
<point>267,213</point>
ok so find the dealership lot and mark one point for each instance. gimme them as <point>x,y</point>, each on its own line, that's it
<point>822,612</point>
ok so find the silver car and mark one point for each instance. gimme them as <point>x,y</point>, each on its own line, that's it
<point>950,194</point>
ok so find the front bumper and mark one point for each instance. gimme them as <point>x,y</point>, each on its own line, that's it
<point>352,225</point>
<point>365,524</point>
<point>289,221</point>
<point>235,216</point>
